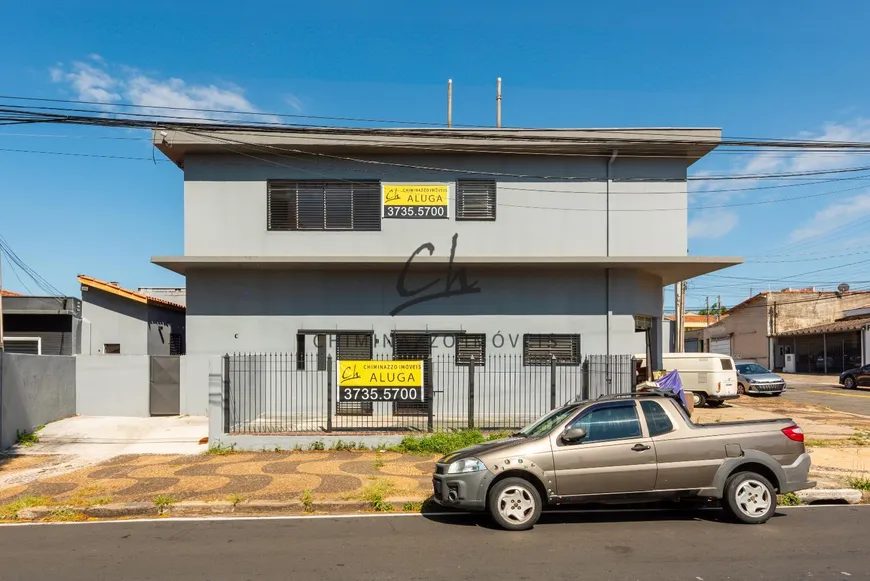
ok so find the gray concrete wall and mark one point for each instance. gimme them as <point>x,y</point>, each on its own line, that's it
<point>115,385</point>
<point>34,390</point>
<point>194,385</point>
<point>225,207</point>
<point>253,311</point>
<point>161,324</point>
<point>114,319</point>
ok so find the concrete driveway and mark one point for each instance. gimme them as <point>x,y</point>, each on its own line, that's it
<point>82,441</point>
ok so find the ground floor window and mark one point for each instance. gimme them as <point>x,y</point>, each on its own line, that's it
<point>539,349</point>
<point>23,345</point>
<point>471,346</point>
<point>350,347</point>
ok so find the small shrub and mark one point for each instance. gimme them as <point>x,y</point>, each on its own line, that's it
<point>307,501</point>
<point>235,499</point>
<point>318,446</point>
<point>442,443</point>
<point>789,499</point>
<point>218,449</point>
<point>342,446</point>
<point>379,460</point>
<point>361,447</point>
<point>163,502</point>
<point>412,506</point>
<point>861,438</point>
<point>859,482</point>
<point>10,510</point>
<point>27,439</point>
<point>375,495</point>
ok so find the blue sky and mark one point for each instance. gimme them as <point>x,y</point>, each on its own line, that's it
<point>768,69</point>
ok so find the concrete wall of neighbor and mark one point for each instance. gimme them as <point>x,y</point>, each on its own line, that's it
<point>194,385</point>
<point>34,390</point>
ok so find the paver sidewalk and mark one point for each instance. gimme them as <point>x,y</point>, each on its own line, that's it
<point>272,476</point>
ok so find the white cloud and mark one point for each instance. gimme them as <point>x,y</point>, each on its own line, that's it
<point>833,216</point>
<point>294,102</point>
<point>108,84</point>
<point>712,224</point>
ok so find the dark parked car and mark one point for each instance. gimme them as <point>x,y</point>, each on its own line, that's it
<point>852,378</point>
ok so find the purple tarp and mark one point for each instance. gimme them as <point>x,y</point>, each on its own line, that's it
<point>671,382</point>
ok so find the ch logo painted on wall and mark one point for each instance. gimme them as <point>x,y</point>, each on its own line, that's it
<point>380,381</point>
<point>415,201</point>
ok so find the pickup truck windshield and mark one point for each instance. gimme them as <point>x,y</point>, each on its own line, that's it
<point>751,369</point>
<point>547,423</point>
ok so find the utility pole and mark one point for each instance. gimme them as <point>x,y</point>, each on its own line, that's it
<point>708,311</point>
<point>679,310</point>
<point>1,304</point>
<point>718,307</point>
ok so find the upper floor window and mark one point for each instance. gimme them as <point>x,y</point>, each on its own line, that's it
<point>475,200</point>
<point>324,205</point>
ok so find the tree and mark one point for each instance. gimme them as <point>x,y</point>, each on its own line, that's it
<point>714,309</point>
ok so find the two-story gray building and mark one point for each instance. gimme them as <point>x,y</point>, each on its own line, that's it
<point>545,243</point>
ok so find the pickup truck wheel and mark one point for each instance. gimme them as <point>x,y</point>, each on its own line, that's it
<point>515,504</point>
<point>749,498</point>
<point>700,398</point>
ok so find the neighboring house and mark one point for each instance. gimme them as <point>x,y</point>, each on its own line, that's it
<point>751,330</point>
<point>830,347</point>
<point>694,325</point>
<point>126,322</point>
<point>173,294</point>
<point>41,325</point>
<point>394,242</point>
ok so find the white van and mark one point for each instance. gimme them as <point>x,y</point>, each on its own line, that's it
<point>711,377</point>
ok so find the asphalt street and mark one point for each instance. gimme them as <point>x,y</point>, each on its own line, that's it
<point>836,397</point>
<point>798,543</point>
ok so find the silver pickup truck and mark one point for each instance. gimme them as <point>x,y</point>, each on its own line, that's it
<point>628,448</point>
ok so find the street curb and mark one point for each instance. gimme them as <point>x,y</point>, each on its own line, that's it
<point>831,496</point>
<point>201,508</point>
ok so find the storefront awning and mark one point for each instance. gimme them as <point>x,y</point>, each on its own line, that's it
<point>835,327</point>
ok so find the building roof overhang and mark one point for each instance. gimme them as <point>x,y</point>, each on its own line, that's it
<point>669,268</point>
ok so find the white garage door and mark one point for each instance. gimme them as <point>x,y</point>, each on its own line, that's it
<point>721,346</point>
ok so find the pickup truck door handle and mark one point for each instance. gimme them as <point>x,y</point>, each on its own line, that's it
<point>639,447</point>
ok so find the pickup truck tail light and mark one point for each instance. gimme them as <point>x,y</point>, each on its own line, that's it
<point>794,433</point>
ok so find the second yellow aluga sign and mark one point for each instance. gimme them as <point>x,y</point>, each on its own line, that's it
<point>415,200</point>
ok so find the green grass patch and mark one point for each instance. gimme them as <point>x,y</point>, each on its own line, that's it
<point>218,449</point>
<point>66,514</point>
<point>412,507</point>
<point>27,439</point>
<point>317,446</point>
<point>10,510</point>
<point>375,494</point>
<point>444,442</point>
<point>235,499</point>
<point>859,482</point>
<point>861,438</point>
<point>789,499</point>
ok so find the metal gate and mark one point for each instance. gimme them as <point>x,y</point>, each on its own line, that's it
<point>165,385</point>
<point>721,345</point>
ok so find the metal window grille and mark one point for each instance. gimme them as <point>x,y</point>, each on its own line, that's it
<point>471,345</point>
<point>475,200</point>
<point>176,345</point>
<point>541,349</point>
<point>324,205</point>
<point>413,346</point>
<point>354,346</point>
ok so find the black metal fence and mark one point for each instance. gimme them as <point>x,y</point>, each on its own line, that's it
<point>281,393</point>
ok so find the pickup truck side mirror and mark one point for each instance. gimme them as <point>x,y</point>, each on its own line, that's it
<point>573,435</point>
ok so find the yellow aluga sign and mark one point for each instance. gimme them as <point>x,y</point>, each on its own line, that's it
<point>415,194</point>
<point>380,374</point>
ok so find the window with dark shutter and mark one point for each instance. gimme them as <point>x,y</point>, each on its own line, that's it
<point>475,200</point>
<point>471,345</point>
<point>324,205</point>
<point>353,346</point>
<point>176,344</point>
<point>542,349</point>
